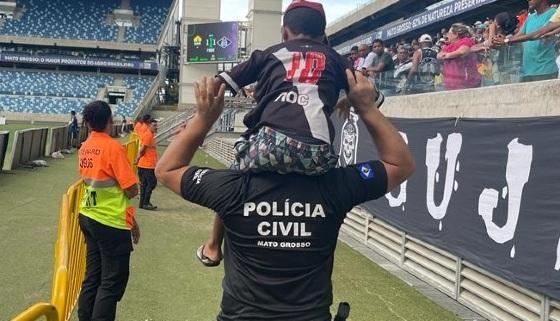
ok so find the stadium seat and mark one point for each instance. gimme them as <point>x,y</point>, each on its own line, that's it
<point>51,84</point>
<point>139,87</point>
<point>59,93</point>
<point>152,17</point>
<point>76,19</point>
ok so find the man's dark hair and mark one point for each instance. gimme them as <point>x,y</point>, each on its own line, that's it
<point>355,48</point>
<point>97,114</point>
<point>379,41</point>
<point>73,112</point>
<point>305,21</point>
<point>146,118</point>
<point>507,21</point>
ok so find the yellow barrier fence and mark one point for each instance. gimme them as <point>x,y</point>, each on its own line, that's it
<point>70,255</point>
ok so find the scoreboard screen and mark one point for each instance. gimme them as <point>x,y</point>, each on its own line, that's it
<point>212,42</point>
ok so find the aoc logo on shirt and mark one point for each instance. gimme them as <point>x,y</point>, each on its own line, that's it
<point>366,172</point>
<point>198,175</point>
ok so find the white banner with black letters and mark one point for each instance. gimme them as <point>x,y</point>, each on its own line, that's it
<point>487,190</point>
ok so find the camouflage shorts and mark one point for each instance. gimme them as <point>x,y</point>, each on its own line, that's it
<point>271,151</point>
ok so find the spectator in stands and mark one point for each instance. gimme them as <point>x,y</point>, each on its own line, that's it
<point>363,50</point>
<point>459,63</point>
<point>402,69</point>
<point>353,55</point>
<point>73,129</point>
<point>368,60</point>
<point>415,45</point>
<point>383,64</point>
<point>442,34</point>
<point>146,162</point>
<point>425,67</point>
<point>539,56</point>
<point>506,60</point>
<point>263,280</point>
<point>106,216</point>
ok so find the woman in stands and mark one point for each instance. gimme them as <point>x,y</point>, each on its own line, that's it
<point>459,63</point>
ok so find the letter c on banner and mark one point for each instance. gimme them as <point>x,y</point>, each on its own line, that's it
<point>401,198</point>
<point>433,149</point>
<point>518,169</point>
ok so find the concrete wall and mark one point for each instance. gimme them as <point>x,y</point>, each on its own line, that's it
<point>517,100</point>
<point>265,18</point>
<point>35,117</point>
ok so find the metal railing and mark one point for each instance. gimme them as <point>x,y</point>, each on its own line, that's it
<point>483,292</point>
<point>150,99</point>
<point>70,255</point>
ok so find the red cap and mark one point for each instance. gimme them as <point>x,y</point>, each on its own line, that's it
<point>307,4</point>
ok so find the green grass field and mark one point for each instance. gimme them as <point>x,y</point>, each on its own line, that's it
<point>167,283</point>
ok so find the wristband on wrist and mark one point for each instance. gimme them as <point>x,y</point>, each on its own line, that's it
<point>380,100</point>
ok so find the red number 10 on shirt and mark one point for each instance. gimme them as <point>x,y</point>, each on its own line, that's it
<point>306,70</point>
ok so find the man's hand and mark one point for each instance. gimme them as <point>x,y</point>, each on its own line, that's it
<point>135,231</point>
<point>209,106</point>
<point>362,94</point>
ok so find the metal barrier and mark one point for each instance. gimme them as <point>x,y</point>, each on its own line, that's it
<point>28,145</point>
<point>70,255</point>
<point>58,140</point>
<point>220,150</point>
<point>483,292</point>
<point>4,136</point>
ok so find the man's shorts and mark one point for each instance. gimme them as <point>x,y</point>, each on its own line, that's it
<point>272,151</point>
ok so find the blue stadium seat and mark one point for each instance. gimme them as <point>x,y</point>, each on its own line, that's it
<point>60,93</point>
<point>152,17</point>
<point>51,84</point>
<point>76,19</point>
<point>45,105</point>
<point>139,87</point>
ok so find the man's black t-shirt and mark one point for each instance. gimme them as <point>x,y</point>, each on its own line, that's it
<point>298,86</point>
<point>281,233</point>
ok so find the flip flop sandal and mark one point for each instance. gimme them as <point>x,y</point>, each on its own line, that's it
<point>206,261</point>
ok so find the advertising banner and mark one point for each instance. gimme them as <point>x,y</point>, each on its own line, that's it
<point>75,61</point>
<point>486,190</point>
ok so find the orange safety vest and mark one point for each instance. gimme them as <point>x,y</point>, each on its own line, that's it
<point>106,172</point>
<point>150,157</point>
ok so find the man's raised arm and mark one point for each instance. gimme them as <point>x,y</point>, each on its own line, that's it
<point>393,151</point>
<point>178,156</point>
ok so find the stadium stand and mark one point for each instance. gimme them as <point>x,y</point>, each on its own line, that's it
<point>59,93</point>
<point>81,20</point>
<point>45,105</point>
<point>51,84</point>
<point>139,87</point>
<point>152,16</point>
